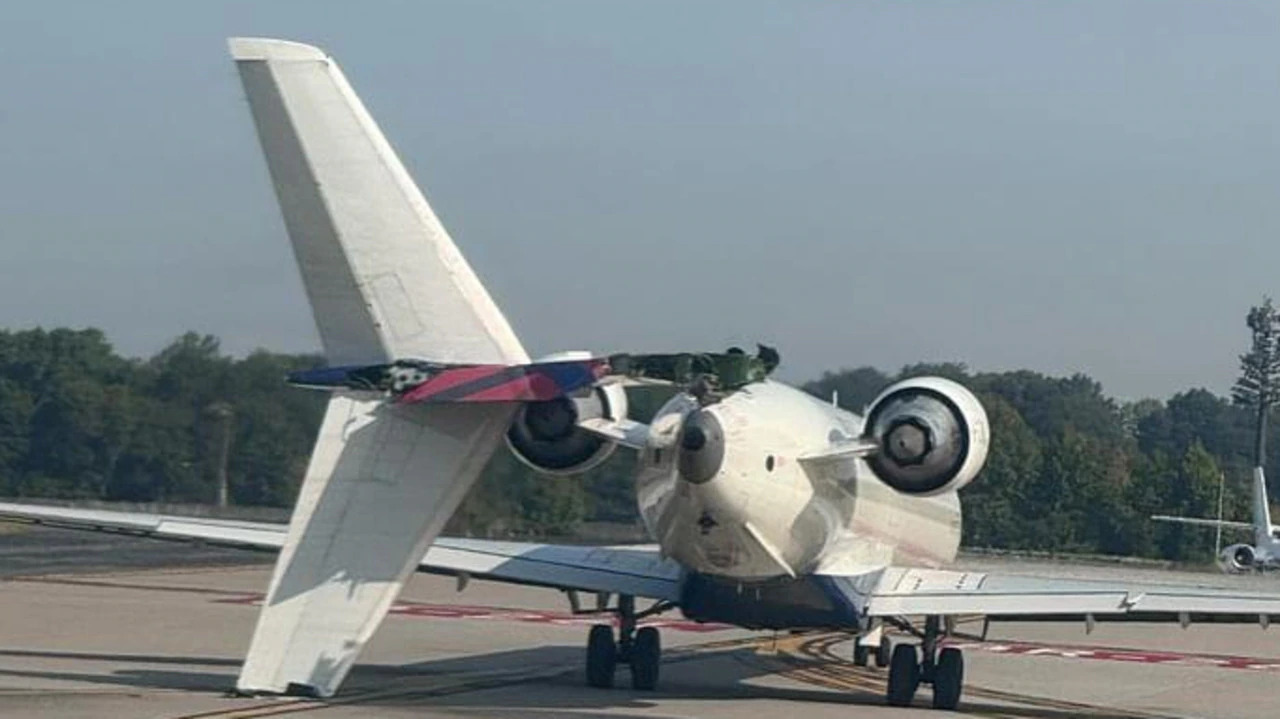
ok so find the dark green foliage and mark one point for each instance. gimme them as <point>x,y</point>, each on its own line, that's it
<point>1069,469</point>
<point>854,388</point>
<point>1260,372</point>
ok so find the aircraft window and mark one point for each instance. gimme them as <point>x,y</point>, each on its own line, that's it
<point>657,456</point>
<point>768,463</point>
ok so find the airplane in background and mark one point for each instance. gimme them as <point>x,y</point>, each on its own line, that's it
<point>769,508</point>
<point>1264,553</point>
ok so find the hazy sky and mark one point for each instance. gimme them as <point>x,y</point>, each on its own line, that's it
<point>1070,186</point>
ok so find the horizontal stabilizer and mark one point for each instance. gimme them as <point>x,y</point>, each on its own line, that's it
<point>412,381</point>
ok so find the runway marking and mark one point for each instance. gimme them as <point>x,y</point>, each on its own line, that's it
<point>807,658</point>
<point>1140,656</point>
<point>443,686</point>
<point>506,614</point>
<point>814,662</point>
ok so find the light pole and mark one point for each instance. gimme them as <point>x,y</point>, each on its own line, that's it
<point>223,412</point>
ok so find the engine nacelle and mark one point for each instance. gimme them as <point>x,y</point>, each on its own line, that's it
<point>1239,558</point>
<point>545,435</point>
<point>932,435</point>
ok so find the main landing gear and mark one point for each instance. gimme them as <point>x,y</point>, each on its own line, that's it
<point>640,647</point>
<point>910,667</point>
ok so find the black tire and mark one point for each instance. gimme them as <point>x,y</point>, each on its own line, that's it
<point>948,679</point>
<point>884,652</point>
<point>861,654</point>
<point>904,675</point>
<point>602,656</point>
<point>646,658</point>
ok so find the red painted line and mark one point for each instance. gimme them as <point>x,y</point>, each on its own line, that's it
<point>423,610</point>
<point>1109,654</point>
<point>449,378</point>
<point>526,388</point>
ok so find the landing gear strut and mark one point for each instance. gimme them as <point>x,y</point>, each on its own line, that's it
<point>884,652</point>
<point>942,668</point>
<point>881,650</point>
<point>640,647</point>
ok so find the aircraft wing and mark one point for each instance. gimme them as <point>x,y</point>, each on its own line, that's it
<point>1225,524</point>
<point>637,570</point>
<point>904,591</point>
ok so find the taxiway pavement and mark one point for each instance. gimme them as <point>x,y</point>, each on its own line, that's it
<point>103,637</point>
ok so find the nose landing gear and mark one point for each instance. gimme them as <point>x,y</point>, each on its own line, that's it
<point>640,647</point>
<point>943,668</point>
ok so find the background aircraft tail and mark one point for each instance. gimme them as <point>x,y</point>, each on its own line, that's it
<point>1261,508</point>
<point>1260,523</point>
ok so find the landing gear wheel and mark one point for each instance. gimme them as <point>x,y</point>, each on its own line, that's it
<point>904,675</point>
<point>948,678</point>
<point>646,656</point>
<point>861,653</point>
<point>884,652</point>
<point>602,656</point>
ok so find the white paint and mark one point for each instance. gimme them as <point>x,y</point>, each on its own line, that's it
<point>793,519</point>
<point>385,282</point>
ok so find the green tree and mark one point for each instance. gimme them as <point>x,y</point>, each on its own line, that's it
<point>994,502</point>
<point>1260,373</point>
<point>854,388</point>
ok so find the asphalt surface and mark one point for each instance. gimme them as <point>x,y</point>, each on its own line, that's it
<point>98,626</point>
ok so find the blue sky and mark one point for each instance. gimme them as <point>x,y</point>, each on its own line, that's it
<point>1069,186</point>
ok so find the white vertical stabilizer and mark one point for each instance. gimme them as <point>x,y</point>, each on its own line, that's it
<point>385,282</point>
<point>1261,510</point>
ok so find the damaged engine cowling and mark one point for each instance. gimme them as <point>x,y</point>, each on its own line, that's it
<point>545,435</point>
<point>932,435</point>
<point>1239,558</point>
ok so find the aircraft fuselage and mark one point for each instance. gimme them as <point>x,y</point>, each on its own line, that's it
<point>721,490</point>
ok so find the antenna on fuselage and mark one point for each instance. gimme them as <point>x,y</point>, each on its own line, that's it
<point>835,398</point>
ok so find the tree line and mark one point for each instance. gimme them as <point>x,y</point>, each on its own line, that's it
<point>1070,468</point>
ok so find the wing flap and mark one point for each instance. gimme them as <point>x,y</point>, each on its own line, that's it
<point>636,570</point>
<point>899,591</point>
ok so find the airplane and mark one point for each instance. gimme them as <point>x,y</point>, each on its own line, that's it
<point>769,508</point>
<point>1264,554</point>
